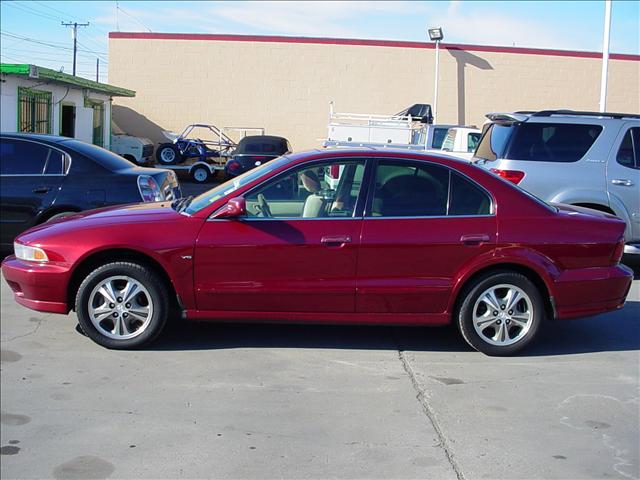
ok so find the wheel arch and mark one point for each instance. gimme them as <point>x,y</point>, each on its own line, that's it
<point>97,258</point>
<point>54,210</point>
<point>508,266</point>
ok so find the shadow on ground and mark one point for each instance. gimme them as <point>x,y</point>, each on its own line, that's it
<point>617,331</point>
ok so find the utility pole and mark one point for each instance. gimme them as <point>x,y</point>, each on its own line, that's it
<point>605,55</point>
<point>75,26</point>
<point>97,70</point>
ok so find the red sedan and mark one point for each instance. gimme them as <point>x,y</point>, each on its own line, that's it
<point>333,236</point>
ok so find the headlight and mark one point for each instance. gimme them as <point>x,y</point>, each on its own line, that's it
<point>149,189</point>
<point>32,254</point>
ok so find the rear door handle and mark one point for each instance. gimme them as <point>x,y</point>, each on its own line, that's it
<point>337,240</point>
<point>622,181</point>
<point>474,239</point>
<point>41,189</point>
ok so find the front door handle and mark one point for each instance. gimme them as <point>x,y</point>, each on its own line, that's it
<point>474,239</point>
<point>335,241</point>
<point>622,181</point>
<point>41,189</point>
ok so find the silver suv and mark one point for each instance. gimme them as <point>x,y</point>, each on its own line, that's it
<point>588,159</point>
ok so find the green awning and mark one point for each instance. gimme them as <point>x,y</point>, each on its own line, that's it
<point>41,73</point>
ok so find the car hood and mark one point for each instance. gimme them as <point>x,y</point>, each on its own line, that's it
<point>152,212</point>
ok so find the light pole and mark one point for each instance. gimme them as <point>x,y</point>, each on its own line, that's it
<point>605,55</point>
<point>436,35</point>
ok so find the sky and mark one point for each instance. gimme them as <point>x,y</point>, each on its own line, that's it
<point>31,31</point>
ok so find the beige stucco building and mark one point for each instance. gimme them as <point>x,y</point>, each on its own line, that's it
<point>285,84</point>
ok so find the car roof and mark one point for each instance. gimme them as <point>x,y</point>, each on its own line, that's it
<point>563,116</point>
<point>396,153</point>
<point>36,136</point>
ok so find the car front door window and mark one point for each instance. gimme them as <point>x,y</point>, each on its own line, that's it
<point>324,190</point>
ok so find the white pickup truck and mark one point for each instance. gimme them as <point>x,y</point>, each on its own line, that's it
<point>461,142</point>
<point>135,149</point>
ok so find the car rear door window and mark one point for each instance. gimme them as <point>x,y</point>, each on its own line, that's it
<point>20,157</point>
<point>628,153</point>
<point>410,190</point>
<point>552,142</point>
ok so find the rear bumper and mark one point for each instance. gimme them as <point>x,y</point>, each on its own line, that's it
<point>38,287</point>
<point>590,291</point>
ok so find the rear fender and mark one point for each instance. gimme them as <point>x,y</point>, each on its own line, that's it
<point>506,257</point>
<point>574,196</point>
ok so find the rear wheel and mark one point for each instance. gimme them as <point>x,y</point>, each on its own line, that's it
<point>168,154</point>
<point>122,305</point>
<point>500,313</point>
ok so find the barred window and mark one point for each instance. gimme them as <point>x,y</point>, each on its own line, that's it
<point>34,110</point>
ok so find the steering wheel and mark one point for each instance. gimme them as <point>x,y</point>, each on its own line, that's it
<point>263,206</point>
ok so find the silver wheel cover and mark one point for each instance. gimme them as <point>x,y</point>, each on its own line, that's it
<point>200,175</point>
<point>167,155</point>
<point>502,315</point>
<point>120,307</point>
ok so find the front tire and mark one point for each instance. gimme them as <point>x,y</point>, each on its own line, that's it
<point>500,313</point>
<point>122,305</point>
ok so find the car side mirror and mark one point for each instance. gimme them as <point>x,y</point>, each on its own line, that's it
<point>234,208</point>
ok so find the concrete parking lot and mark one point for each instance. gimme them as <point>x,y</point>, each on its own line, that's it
<point>287,401</point>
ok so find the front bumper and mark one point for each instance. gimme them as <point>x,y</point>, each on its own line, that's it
<point>590,291</point>
<point>41,287</point>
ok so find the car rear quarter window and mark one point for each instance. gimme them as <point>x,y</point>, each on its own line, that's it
<point>466,198</point>
<point>19,157</point>
<point>493,142</point>
<point>55,163</point>
<point>552,142</point>
<point>629,152</point>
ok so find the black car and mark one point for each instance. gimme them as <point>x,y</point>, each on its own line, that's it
<point>44,177</point>
<point>255,150</point>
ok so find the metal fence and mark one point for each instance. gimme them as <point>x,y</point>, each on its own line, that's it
<point>34,111</point>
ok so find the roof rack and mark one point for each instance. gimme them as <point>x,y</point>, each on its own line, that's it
<point>548,113</point>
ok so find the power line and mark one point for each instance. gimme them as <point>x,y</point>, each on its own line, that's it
<point>48,44</point>
<point>131,16</point>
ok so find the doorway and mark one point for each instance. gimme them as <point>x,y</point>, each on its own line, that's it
<point>68,121</point>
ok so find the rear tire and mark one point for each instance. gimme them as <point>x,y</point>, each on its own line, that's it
<point>122,305</point>
<point>500,313</point>
<point>168,154</point>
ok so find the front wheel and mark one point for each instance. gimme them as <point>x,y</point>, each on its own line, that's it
<point>122,305</point>
<point>500,313</point>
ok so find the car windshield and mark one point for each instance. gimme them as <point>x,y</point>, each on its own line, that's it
<point>107,159</point>
<point>224,189</point>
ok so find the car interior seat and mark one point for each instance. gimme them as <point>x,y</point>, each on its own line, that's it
<point>315,204</point>
<point>410,195</point>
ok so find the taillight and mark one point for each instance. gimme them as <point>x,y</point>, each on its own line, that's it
<point>233,166</point>
<point>514,176</point>
<point>616,256</point>
<point>149,189</point>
